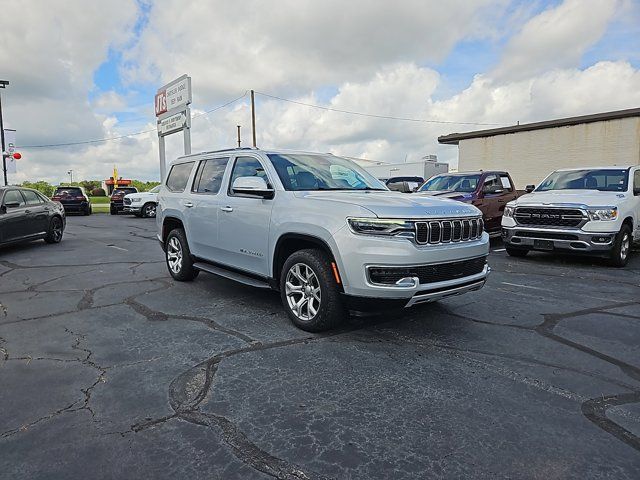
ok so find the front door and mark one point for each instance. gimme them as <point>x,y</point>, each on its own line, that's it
<point>244,222</point>
<point>14,221</point>
<point>37,213</point>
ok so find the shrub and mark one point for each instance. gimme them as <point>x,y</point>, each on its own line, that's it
<point>98,192</point>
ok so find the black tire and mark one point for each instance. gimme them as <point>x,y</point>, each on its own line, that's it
<point>516,252</point>
<point>149,210</point>
<point>176,244</point>
<point>87,211</point>
<point>330,310</point>
<point>55,230</point>
<point>621,250</point>
<point>113,210</point>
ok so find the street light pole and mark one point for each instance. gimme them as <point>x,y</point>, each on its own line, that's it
<point>3,84</point>
<point>70,172</point>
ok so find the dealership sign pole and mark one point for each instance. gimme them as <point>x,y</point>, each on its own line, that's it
<point>173,115</point>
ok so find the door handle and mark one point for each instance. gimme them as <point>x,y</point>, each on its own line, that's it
<point>27,211</point>
<point>188,204</point>
<point>226,209</point>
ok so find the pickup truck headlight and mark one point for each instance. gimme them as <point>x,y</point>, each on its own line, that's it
<point>603,213</point>
<point>135,199</point>
<point>508,211</point>
<point>381,226</point>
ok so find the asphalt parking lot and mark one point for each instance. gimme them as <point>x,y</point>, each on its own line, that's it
<point>110,369</point>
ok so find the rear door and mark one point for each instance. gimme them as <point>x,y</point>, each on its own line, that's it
<point>202,216</point>
<point>37,213</point>
<point>492,193</point>
<point>244,220</point>
<point>14,218</point>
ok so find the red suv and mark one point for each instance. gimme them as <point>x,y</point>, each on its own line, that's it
<point>117,199</point>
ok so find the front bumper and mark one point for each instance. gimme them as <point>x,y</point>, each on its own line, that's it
<point>359,253</point>
<point>564,239</point>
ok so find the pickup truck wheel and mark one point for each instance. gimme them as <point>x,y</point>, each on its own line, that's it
<point>516,252</point>
<point>178,256</point>
<point>309,291</point>
<point>149,210</point>
<point>619,255</point>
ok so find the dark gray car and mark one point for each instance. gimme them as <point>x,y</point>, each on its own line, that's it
<point>27,215</point>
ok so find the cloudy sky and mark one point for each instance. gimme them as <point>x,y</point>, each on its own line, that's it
<point>85,70</point>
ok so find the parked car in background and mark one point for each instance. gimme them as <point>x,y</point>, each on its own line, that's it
<point>583,210</point>
<point>490,191</point>
<point>404,184</point>
<point>27,215</point>
<point>73,199</point>
<point>142,204</point>
<point>319,229</point>
<point>116,203</point>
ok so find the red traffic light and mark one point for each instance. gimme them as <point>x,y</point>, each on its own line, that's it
<point>17,155</point>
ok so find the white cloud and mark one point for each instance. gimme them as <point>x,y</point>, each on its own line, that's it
<point>556,38</point>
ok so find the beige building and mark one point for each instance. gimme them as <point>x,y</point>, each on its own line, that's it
<point>529,152</point>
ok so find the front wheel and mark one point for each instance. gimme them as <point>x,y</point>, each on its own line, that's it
<point>619,255</point>
<point>55,231</point>
<point>149,210</point>
<point>310,292</point>
<point>178,256</point>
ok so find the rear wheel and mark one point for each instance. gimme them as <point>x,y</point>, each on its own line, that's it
<point>149,210</point>
<point>619,255</point>
<point>310,292</point>
<point>113,210</point>
<point>516,252</point>
<point>178,256</point>
<point>87,210</point>
<point>55,231</point>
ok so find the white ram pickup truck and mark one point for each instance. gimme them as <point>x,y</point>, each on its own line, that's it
<point>585,210</point>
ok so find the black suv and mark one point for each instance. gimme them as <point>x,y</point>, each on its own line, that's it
<point>73,199</point>
<point>117,199</point>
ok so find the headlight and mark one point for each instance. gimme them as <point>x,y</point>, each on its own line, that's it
<point>135,199</point>
<point>381,226</point>
<point>508,211</point>
<point>603,213</point>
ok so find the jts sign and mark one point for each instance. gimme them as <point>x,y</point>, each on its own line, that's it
<point>173,95</point>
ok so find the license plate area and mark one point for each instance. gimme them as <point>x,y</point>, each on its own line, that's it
<point>543,244</point>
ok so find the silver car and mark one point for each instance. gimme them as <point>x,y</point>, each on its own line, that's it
<point>320,230</point>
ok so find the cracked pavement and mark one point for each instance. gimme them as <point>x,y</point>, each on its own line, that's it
<point>109,368</point>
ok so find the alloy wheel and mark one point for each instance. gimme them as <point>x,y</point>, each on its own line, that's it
<point>56,229</point>
<point>150,211</point>
<point>174,255</point>
<point>625,246</point>
<point>302,289</point>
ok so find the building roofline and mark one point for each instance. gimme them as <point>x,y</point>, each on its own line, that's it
<point>454,138</point>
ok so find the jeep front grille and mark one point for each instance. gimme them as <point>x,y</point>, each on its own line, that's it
<point>450,230</point>
<point>550,217</point>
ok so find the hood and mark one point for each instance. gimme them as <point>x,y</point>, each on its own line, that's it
<point>590,198</point>
<point>453,195</point>
<point>389,204</point>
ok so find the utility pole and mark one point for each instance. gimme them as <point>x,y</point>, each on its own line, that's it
<point>3,84</point>
<point>238,136</point>
<point>70,172</point>
<point>253,118</point>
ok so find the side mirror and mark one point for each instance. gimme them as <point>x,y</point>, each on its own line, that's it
<point>530,188</point>
<point>252,186</point>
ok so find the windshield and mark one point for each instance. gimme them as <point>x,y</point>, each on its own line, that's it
<point>454,183</point>
<point>605,180</point>
<point>322,172</point>
<point>155,189</point>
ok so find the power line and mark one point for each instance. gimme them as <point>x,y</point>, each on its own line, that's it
<point>387,117</point>
<point>120,137</point>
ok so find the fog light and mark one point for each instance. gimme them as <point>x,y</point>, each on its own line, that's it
<point>601,239</point>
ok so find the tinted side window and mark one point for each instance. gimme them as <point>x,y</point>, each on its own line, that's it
<point>636,179</point>
<point>491,182</point>
<point>209,176</point>
<point>32,198</point>
<point>13,196</point>
<point>247,167</point>
<point>178,177</point>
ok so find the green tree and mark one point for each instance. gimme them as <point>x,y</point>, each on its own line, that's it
<point>42,186</point>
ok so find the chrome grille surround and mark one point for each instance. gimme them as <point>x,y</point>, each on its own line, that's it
<point>544,216</point>
<point>454,230</point>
